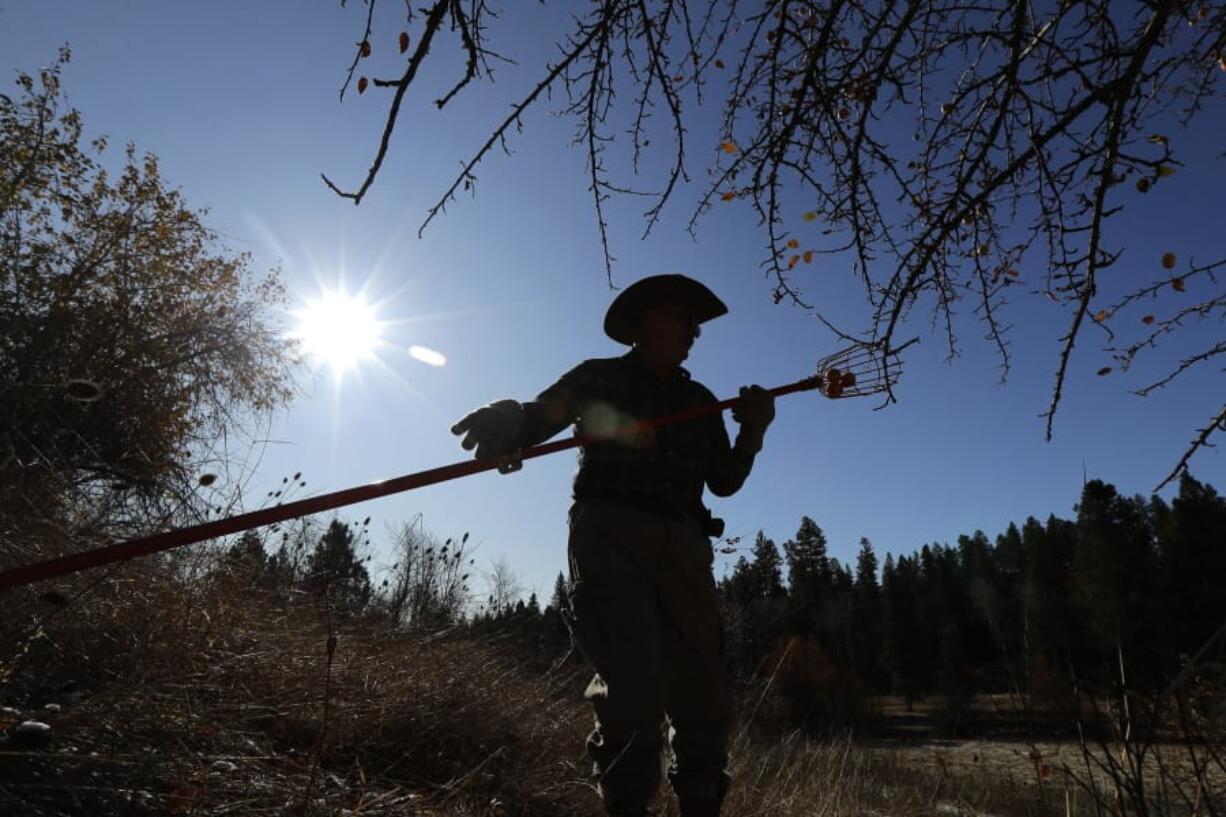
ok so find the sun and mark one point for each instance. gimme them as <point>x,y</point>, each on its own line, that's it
<point>340,329</point>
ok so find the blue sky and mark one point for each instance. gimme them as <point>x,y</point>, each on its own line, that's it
<point>239,101</point>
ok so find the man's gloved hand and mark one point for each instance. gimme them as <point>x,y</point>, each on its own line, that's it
<point>754,412</point>
<point>494,431</point>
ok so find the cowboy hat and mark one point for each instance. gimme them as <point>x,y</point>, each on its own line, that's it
<point>622,319</point>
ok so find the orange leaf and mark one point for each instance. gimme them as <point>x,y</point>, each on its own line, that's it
<point>808,256</point>
<point>1101,315</point>
<point>728,147</point>
<point>362,85</point>
<point>810,216</point>
<point>1012,273</point>
<point>729,196</point>
<point>364,48</point>
<point>404,41</point>
<point>1177,285</point>
<point>793,243</point>
<point>793,261</point>
<point>1168,260</point>
<point>1105,370</point>
<point>1147,320</point>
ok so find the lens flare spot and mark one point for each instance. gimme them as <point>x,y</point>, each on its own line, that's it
<point>427,356</point>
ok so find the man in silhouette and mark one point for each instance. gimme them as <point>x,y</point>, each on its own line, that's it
<point>644,607</point>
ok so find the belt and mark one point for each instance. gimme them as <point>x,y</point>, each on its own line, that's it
<point>711,525</point>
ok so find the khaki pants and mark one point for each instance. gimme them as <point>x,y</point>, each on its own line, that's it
<point>646,614</point>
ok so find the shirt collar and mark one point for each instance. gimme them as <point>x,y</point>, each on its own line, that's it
<point>636,361</point>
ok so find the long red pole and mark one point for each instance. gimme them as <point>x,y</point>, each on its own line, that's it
<point>133,548</point>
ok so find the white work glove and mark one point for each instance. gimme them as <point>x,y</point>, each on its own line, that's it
<point>494,431</point>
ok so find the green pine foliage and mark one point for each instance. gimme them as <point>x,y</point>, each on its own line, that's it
<point>1038,610</point>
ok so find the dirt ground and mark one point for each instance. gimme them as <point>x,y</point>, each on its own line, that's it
<point>1000,742</point>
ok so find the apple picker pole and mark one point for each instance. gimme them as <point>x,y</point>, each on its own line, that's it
<point>857,371</point>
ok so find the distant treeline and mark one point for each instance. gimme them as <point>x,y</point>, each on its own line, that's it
<point>1132,588</point>
<point>1128,593</point>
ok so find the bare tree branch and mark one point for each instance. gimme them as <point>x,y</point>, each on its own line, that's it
<point>1032,126</point>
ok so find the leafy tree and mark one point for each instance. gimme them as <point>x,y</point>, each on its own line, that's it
<point>129,340</point>
<point>1030,127</point>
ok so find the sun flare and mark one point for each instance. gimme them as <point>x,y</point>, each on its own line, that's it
<point>340,329</point>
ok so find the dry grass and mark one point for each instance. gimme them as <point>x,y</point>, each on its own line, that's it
<point>204,696</point>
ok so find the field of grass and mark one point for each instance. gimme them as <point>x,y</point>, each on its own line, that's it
<point>204,696</point>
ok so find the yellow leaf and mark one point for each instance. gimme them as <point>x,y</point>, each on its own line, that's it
<point>793,261</point>
<point>793,243</point>
<point>810,216</point>
<point>1165,170</point>
<point>729,147</point>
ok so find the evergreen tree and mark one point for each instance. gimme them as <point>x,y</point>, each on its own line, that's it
<point>808,576</point>
<point>248,551</point>
<point>335,567</point>
<point>1049,625</point>
<point>903,645</point>
<point>1192,550</point>
<point>766,573</point>
<point>835,623</point>
<point>1114,565</point>
<point>755,602</point>
<point>867,617</point>
<point>560,600</point>
<point>738,586</point>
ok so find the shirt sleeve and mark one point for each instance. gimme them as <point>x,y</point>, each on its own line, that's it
<point>556,407</point>
<point>727,466</point>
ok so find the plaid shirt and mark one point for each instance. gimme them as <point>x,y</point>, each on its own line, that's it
<point>663,470</point>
